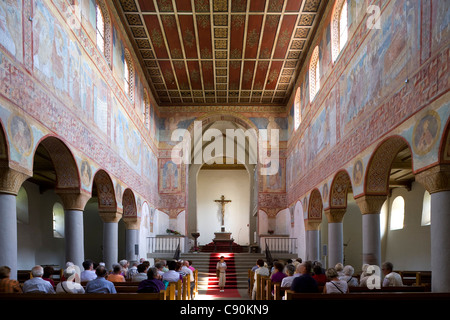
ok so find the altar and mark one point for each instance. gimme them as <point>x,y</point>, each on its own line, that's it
<point>223,241</point>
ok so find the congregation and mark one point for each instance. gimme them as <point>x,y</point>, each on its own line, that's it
<point>96,278</point>
<point>310,277</point>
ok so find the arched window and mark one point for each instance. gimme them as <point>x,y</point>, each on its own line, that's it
<point>128,75</point>
<point>297,113</point>
<point>100,26</point>
<point>426,209</point>
<point>339,28</point>
<point>397,213</point>
<point>146,110</point>
<point>314,74</point>
<point>58,220</point>
<point>383,218</point>
<point>103,30</point>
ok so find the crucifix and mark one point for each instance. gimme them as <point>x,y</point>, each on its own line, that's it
<point>223,202</point>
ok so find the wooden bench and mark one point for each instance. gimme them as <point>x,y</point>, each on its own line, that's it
<point>82,297</point>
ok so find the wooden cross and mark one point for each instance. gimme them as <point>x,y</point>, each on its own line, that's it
<point>223,202</point>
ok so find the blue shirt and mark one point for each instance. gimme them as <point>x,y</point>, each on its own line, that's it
<point>100,285</point>
<point>38,285</point>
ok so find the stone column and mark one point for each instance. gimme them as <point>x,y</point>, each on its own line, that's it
<point>370,207</point>
<point>312,240</point>
<point>436,181</point>
<point>74,203</point>
<point>132,237</point>
<point>335,235</point>
<point>10,182</point>
<point>110,237</point>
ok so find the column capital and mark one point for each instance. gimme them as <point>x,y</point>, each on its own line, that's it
<point>73,199</point>
<point>110,216</point>
<point>335,215</point>
<point>312,225</point>
<point>370,204</point>
<point>132,223</point>
<point>11,180</point>
<point>435,179</point>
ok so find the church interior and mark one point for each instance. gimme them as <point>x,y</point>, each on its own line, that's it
<point>120,127</point>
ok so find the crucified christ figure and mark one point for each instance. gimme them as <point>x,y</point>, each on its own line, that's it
<point>223,202</point>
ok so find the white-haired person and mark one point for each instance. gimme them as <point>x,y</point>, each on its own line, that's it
<point>71,284</point>
<point>348,277</point>
<point>391,278</point>
<point>334,285</point>
<point>36,284</point>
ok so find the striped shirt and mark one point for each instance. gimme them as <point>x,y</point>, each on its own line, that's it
<point>9,286</point>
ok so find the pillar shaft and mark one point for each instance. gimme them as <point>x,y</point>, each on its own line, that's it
<point>8,232</point>
<point>10,182</point>
<point>370,207</point>
<point>436,181</point>
<point>110,237</point>
<point>312,240</point>
<point>335,216</point>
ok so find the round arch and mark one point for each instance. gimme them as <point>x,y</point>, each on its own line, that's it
<point>376,180</point>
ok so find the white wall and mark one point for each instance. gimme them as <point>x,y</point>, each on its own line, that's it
<point>235,186</point>
<point>297,230</point>
<point>410,247</point>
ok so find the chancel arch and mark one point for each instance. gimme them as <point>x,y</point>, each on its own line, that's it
<point>223,168</point>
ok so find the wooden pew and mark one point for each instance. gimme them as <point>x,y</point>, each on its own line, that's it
<point>251,279</point>
<point>260,286</point>
<point>268,288</point>
<point>279,291</point>
<point>196,282</point>
<point>82,297</point>
<point>175,290</point>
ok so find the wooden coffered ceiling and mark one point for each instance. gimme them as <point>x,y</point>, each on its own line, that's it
<point>227,52</point>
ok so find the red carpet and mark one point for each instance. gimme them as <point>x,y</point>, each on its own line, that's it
<point>213,282</point>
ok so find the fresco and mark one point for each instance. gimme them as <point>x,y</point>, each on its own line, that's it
<point>21,135</point>
<point>101,105</point>
<point>10,34</point>
<point>426,132</point>
<point>271,122</point>
<point>86,174</point>
<point>169,176</point>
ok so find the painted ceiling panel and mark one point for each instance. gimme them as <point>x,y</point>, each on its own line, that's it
<point>221,52</point>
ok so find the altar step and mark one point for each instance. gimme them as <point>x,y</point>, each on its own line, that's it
<point>237,278</point>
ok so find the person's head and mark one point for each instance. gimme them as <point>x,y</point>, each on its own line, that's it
<point>387,267</point>
<point>152,273</point>
<point>289,269</point>
<point>186,263</point>
<point>304,267</point>
<point>146,263</point>
<point>88,265</point>
<point>117,268</point>
<point>172,265</point>
<point>5,272</point>
<point>299,260</point>
<point>141,268</point>
<point>178,266</point>
<point>101,271</point>
<point>331,273</point>
<point>37,272</point>
<point>123,263</point>
<point>348,270</point>
<point>48,272</point>
<point>69,272</point>
<point>260,262</point>
<point>159,265</point>
<point>317,269</point>
<point>278,266</point>
<point>222,258</point>
<point>339,267</point>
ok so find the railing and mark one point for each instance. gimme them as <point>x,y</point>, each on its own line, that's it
<point>165,244</point>
<point>281,245</point>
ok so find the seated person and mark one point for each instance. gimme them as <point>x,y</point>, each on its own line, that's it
<point>69,285</point>
<point>100,284</point>
<point>304,283</point>
<point>37,284</point>
<point>116,275</point>
<point>153,283</point>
